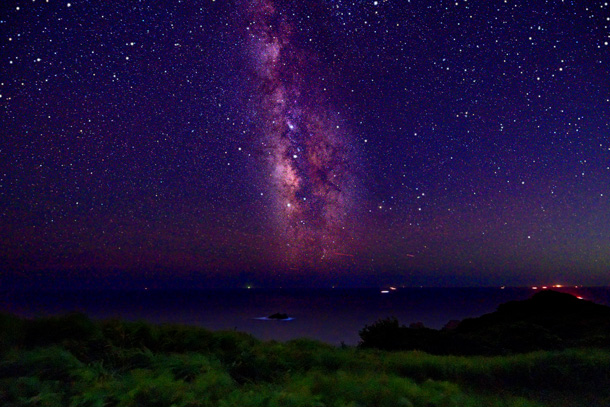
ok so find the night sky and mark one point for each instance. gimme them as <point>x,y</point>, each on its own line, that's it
<point>273,142</point>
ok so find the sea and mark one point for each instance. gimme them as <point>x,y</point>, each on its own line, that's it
<point>334,316</point>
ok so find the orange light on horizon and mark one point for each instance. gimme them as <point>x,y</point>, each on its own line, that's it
<point>534,288</point>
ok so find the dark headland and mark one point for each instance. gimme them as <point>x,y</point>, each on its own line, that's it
<point>549,320</point>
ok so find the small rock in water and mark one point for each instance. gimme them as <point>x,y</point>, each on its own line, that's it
<point>278,315</point>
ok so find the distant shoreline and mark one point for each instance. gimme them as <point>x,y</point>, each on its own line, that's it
<point>329,315</point>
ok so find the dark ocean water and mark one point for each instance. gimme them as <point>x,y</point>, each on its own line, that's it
<point>329,315</point>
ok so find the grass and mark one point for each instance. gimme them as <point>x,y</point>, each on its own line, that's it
<point>73,361</point>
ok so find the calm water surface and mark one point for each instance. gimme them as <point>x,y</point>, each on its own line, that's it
<point>329,315</point>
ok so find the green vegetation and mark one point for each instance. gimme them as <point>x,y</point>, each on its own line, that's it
<point>73,361</point>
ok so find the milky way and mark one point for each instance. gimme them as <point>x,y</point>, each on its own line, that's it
<point>304,143</point>
<point>309,153</point>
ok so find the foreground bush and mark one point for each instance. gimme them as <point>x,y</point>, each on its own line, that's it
<point>117,363</point>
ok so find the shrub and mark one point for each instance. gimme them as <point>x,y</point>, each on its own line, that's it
<point>147,388</point>
<point>130,334</point>
<point>53,330</point>
<point>31,391</point>
<point>53,363</point>
<point>12,331</point>
<point>384,334</point>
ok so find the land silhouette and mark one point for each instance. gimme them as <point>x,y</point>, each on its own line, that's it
<point>549,320</point>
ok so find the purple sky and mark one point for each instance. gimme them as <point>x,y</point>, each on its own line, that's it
<point>223,143</point>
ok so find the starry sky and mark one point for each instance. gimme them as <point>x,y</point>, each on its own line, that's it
<point>271,142</point>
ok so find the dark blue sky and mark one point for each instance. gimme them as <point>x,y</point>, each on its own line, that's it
<point>217,143</point>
